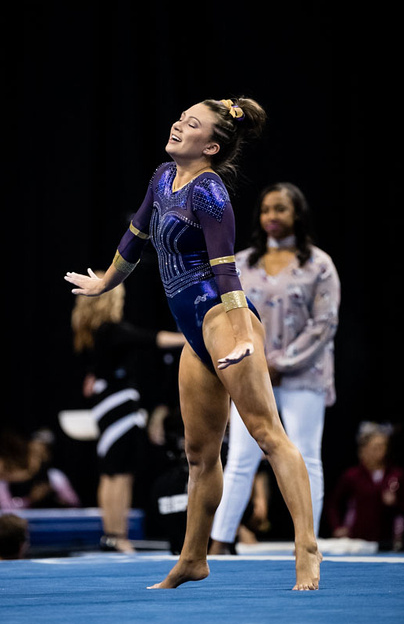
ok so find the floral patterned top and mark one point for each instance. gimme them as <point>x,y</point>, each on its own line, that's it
<point>299,310</point>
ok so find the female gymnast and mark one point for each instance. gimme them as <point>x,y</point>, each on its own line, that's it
<point>188,216</point>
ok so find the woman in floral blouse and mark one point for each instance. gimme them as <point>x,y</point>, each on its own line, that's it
<point>295,287</point>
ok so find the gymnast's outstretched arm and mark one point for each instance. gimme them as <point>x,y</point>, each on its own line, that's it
<point>91,285</point>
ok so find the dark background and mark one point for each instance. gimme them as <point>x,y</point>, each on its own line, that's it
<point>91,90</point>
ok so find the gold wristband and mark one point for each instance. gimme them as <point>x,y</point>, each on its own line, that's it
<point>222,260</point>
<point>234,299</point>
<point>122,265</point>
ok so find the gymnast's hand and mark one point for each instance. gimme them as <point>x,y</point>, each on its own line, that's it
<point>242,350</point>
<point>89,285</point>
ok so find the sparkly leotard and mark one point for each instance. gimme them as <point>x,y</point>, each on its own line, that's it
<point>193,232</point>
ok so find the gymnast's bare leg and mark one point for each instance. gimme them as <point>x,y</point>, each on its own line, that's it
<point>205,405</point>
<point>205,409</point>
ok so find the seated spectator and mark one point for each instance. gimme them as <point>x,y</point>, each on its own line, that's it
<point>14,456</point>
<point>14,536</point>
<point>27,477</point>
<point>368,500</point>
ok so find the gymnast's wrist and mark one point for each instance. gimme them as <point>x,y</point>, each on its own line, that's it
<point>240,321</point>
<point>234,299</point>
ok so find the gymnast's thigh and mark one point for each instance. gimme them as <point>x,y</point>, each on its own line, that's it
<point>248,381</point>
<point>219,340</point>
<point>204,400</point>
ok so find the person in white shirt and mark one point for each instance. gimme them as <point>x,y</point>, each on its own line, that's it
<point>295,287</point>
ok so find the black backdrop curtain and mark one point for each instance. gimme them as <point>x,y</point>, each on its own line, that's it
<point>91,90</point>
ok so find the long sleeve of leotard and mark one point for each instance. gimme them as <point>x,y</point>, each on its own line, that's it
<point>136,236</point>
<point>212,206</point>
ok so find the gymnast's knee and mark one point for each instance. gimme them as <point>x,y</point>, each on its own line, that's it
<point>270,440</point>
<point>201,456</point>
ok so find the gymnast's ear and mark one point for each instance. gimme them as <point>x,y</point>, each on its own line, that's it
<point>211,149</point>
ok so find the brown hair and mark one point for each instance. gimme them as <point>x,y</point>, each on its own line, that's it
<point>14,451</point>
<point>90,312</point>
<point>231,133</point>
<point>13,536</point>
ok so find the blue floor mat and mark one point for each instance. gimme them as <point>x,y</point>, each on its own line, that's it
<point>111,589</point>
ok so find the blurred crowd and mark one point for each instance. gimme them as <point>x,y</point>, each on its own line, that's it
<point>366,502</point>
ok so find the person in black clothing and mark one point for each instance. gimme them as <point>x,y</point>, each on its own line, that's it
<point>113,347</point>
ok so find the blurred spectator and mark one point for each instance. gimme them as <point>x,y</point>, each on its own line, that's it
<point>255,524</point>
<point>114,350</point>
<point>27,476</point>
<point>14,456</point>
<point>368,500</point>
<point>295,287</point>
<point>168,497</point>
<point>14,536</point>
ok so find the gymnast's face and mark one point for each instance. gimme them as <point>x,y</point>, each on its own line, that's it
<point>277,216</point>
<point>190,136</point>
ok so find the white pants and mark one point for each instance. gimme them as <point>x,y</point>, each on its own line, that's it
<point>302,414</point>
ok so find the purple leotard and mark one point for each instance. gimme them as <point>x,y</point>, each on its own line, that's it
<point>193,232</point>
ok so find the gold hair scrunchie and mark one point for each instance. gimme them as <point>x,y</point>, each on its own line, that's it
<point>235,111</point>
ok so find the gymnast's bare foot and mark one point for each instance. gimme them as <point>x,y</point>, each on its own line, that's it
<point>182,572</point>
<point>308,561</point>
